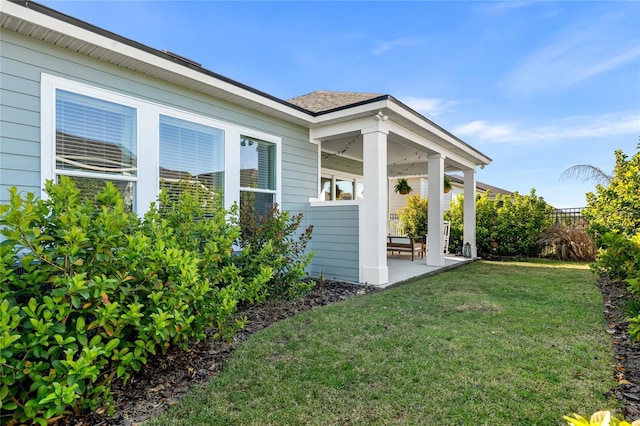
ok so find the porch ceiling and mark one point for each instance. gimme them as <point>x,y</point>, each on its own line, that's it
<point>404,157</point>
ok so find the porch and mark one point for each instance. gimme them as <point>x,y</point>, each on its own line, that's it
<point>356,155</point>
<point>401,268</point>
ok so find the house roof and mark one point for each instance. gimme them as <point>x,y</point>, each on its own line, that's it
<point>325,100</point>
<point>481,186</point>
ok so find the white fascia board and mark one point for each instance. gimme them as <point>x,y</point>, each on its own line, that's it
<point>370,109</point>
<point>429,126</point>
<point>181,72</point>
<point>342,128</point>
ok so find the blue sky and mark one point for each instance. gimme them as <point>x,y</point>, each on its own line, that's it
<point>537,86</point>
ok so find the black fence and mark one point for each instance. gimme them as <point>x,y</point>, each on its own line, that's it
<point>571,216</point>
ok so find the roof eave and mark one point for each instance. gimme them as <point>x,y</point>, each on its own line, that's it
<point>49,25</point>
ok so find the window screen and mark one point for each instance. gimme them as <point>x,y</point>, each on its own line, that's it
<point>190,153</point>
<point>94,136</point>
<point>257,164</point>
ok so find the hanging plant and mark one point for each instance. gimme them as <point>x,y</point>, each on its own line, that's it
<point>402,187</point>
<point>447,184</point>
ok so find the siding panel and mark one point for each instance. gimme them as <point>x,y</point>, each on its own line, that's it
<point>25,59</point>
<point>336,242</point>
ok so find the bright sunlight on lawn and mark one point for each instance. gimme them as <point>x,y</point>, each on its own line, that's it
<point>488,343</point>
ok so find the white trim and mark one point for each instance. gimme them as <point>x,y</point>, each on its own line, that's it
<point>277,141</point>
<point>338,203</point>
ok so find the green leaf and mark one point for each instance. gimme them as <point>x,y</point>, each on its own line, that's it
<point>113,343</point>
<point>75,301</point>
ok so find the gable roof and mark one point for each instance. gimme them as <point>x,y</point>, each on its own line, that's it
<point>325,100</point>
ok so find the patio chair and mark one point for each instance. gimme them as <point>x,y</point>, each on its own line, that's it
<point>445,240</point>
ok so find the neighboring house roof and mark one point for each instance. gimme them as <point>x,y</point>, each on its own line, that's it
<point>481,186</point>
<point>459,180</point>
<point>325,100</point>
<point>492,189</point>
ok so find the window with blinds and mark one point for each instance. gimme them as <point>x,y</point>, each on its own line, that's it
<point>190,154</point>
<point>96,142</point>
<point>94,136</point>
<point>257,174</point>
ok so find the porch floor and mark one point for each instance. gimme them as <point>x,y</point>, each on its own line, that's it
<point>401,268</point>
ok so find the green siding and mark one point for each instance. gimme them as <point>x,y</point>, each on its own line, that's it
<point>24,59</point>
<point>336,242</point>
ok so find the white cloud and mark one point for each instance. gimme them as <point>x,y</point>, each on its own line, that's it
<point>430,107</point>
<point>385,46</point>
<point>576,54</point>
<point>484,131</point>
<point>583,127</point>
<point>506,6</point>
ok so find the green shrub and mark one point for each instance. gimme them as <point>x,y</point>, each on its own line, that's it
<point>613,213</point>
<point>272,238</point>
<point>516,222</point>
<point>88,291</point>
<point>616,206</point>
<point>415,216</point>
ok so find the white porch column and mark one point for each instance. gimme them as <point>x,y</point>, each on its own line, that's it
<point>469,218</point>
<point>373,211</point>
<point>435,185</point>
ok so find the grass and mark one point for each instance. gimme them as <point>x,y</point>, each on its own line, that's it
<point>509,343</point>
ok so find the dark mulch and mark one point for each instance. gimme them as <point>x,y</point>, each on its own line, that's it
<point>165,379</point>
<point>626,366</point>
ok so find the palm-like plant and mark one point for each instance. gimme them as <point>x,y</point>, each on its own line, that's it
<point>587,173</point>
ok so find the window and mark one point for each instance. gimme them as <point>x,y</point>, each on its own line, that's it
<point>96,142</point>
<point>338,186</point>
<point>257,174</point>
<point>190,153</point>
<point>96,136</point>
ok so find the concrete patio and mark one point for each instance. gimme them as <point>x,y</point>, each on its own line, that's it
<point>401,268</point>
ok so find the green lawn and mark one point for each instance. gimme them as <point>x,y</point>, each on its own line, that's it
<point>508,343</point>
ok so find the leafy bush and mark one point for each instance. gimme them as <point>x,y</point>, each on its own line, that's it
<point>515,222</point>
<point>613,212</point>
<point>88,290</point>
<point>616,206</point>
<point>271,239</point>
<point>415,216</point>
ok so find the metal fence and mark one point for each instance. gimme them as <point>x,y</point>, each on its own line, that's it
<point>570,216</point>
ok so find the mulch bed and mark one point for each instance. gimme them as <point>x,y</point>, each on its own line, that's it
<point>626,363</point>
<point>165,379</point>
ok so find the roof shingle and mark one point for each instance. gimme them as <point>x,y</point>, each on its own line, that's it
<point>324,100</point>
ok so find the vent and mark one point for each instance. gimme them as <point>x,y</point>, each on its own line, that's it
<point>182,58</point>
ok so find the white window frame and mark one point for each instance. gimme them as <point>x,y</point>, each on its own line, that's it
<point>277,142</point>
<point>336,175</point>
<point>147,141</point>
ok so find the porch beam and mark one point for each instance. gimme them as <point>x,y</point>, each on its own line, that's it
<point>427,143</point>
<point>373,211</point>
<point>332,130</point>
<point>469,214</point>
<point>435,186</point>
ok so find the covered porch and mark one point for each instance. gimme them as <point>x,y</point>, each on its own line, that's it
<point>357,152</point>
